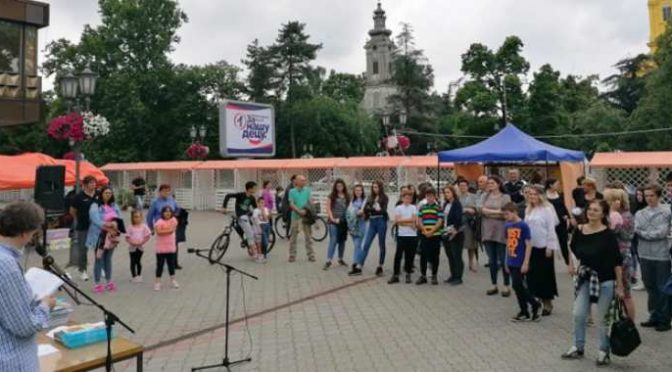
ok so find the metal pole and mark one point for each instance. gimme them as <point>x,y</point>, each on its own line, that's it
<point>76,149</point>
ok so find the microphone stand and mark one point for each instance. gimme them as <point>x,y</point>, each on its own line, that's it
<point>226,363</point>
<point>110,317</point>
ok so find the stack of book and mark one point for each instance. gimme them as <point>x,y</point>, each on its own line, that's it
<point>60,314</point>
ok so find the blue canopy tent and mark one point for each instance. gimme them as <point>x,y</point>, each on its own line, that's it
<point>510,145</point>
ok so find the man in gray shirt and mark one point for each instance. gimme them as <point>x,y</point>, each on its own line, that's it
<point>652,226</point>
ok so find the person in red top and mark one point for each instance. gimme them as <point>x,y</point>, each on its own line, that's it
<point>165,246</point>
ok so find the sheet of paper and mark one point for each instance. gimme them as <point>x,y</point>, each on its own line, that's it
<point>45,349</point>
<point>43,283</point>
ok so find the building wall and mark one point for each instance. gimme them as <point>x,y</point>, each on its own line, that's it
<point>660,12</point>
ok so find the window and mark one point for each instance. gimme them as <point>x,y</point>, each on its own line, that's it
<point>375,67</point>
<point>667,13</point>
<point>10,47</point>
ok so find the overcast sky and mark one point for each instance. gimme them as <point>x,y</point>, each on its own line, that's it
<point>575,36</point>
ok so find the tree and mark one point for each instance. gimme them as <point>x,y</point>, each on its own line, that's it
<point>413,78</point>
<point>292,54</point>
<point>627,86</point>
<point>261,72</point>
<point>545,107</point>
<point>498,74</point>
<point>344,87</point>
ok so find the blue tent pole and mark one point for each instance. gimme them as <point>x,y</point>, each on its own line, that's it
<point>438,175</point>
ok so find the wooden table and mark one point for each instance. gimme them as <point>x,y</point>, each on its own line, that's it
<point>88,357</point>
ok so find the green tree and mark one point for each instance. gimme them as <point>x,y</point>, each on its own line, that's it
<point>413,77</point>
<point>627,86</point>
<point>546,110</point>
<point>261,72</point>
<point>292,55</point>
<point>129,50</point>
<point>499,75</point>
<point>344,87</point>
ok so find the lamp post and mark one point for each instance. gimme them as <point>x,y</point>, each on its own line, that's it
<point>72,87</point>
<point>198,134</point>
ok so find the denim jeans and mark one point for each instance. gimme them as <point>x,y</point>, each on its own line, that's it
<point>333,242</point>
<point>377,226</point>
<point>654,276</point>
<point>265,234</point>
<point>582,308</point>
<point>103,263</point>
<point>357,241</point>
<point>496,258</point>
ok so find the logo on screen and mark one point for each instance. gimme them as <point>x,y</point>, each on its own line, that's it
<point>252,127</point>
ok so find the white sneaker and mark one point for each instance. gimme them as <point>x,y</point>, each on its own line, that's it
<point>84,276</point>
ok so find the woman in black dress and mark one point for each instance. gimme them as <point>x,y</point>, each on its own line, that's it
<point>557,199</point>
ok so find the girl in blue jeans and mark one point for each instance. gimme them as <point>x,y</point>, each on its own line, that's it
<point>596,280</point>
<point>356,221</point>
<point>375,210</point>
<point>336,209</point>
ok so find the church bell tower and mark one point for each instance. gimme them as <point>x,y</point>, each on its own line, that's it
<point>378,75</point>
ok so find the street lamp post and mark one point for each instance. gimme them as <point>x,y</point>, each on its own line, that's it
<point>70,84</point>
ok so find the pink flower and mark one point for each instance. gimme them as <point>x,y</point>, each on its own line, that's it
<point>67,127</point>
<point>197,151</point>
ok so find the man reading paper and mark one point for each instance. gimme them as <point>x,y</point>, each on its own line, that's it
<point>22,316</point>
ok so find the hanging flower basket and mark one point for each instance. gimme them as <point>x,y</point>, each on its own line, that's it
<point>76,128</point>
<point>95,125</point>
<point>197,151</point>
<point>68,127</point>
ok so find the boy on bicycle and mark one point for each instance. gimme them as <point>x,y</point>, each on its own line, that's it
<point>246,203</point>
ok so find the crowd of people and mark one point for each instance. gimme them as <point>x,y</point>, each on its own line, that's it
<point>609,240</point>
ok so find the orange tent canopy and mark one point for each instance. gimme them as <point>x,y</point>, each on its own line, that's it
<point>159,165</point>
<point>644,159</point>
<point>18,172</point>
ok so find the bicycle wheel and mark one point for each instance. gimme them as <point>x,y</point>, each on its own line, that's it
<point>271,242</point>
<point>280,228</point>
<point>319,229</point>
<point>219,247</point>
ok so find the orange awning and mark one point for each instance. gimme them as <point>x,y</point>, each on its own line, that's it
<point>164,165</point>
<point>372,162</point>
<point>648,159</point>
<point>424,162</point>
<point>18,172</point>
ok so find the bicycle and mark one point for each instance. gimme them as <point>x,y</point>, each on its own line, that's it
<point>221,244</point>
<point>319,229</point>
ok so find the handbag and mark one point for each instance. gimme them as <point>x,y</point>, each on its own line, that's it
<point>624,337</point>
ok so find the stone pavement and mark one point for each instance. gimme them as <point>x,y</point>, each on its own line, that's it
<point>306,319</point>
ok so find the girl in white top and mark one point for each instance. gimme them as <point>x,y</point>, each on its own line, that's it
<point>542,219</point>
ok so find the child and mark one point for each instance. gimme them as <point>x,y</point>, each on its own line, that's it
<point>518,252</point>
<point>262,217</point>
<point>262,228</point>
<point>137,235</point>
<point>430,221</point>
<point>405,216</point>
<point>165,246</point>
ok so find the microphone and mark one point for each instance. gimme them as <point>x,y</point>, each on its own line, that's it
<point>50,264</point>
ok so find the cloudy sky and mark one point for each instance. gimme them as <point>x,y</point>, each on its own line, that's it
<point>575,36</point>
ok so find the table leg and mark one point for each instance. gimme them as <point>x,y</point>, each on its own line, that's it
<point>139,363</point>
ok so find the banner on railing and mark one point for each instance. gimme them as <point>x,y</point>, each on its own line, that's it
<point>246,129</point>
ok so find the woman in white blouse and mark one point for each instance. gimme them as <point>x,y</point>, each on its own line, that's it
<point>542,219</point>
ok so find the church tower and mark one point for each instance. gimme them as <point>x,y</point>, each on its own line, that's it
<point>660,12</point>
<point>379,50</point>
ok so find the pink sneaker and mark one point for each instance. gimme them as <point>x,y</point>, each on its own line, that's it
<point>99,288</point>
<point>111,287</point>
<point>157,286</point>
<point>175,284</point>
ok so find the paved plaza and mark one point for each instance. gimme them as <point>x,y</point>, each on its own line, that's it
<point>305,319</point>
